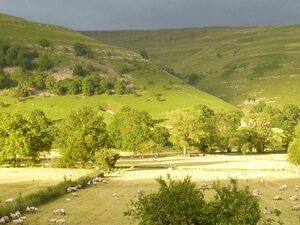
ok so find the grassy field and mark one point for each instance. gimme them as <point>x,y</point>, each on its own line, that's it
<point>105,203</point>
<point>234,63</point>
<point>149,81</point>
<point>15,181</point>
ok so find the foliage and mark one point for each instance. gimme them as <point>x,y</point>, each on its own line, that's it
<point>44,43</point>
<point>180,202</point>
<point>82,49</point>
<point>144,54</point>
<point>45,63</point>
<point>130,128</point>
<point>81,135</point>
<point>79,71</point>
<point>106,159</point>
<point>160,135</point>
<point>294,148</point>
<point>23,139</point>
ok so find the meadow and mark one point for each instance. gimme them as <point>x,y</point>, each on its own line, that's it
<point>104,203</point>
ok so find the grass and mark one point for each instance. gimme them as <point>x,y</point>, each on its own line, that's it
<point>98,205</point>
<point>108,59</point>
<point>237,62</point>
<point>15,181</point>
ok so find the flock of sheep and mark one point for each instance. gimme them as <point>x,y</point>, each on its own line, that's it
<point>284,187</point>
<point>17,219</point>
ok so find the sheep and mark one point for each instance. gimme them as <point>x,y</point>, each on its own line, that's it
<point>78,186</point>
<point>69,199</point>
<point>297,187</point>
<point>18,222</point>
<point>296,207</point>
<point>6,218</point>
<point>31,209</point>
<point>52,221</point>
<point>283,187</point>
<point>114,194</point>
<point>10,200</point>
<point>2,221</point>
<point>74,195</point>
<point>59,212</point>
<point>268,211</point>
<point>293,197</point>
<point>277,198</point>
<point>263,181</point>
<point>14,216</point>
<point>255,193</point>
<point>61,222</point>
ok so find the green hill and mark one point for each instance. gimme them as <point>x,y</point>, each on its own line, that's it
<point>234,63</point>
<point>156,91</point>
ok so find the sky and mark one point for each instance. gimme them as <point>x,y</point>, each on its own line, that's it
<point>154,14</point>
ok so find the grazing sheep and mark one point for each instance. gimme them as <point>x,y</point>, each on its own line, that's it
<point>78,186</point>
<point>297,187</point>
<point>296,207</point>
<point>61,222</point>
<point>14,216</point>
<point>114,194</point>
<point>283,187</point>
<point>263,181</point>
<point>69,199</point>
<point>59,212</point>
<point>277,198</point>
<point>52,221</point>
<point>10,200</point>
<point>74,195</point>
<point>2,221</point>
<point>255,193</point>
<point>18,222</point>
<point>31,209</point>
<point>293,197</point>
<point>6,218</point>
<point>268,211</point>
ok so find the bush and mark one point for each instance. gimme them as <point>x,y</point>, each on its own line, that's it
<point>81,49</point>
<point>45,63</point>
<point>41,197</point>
<point>44,43</point>
<point>181,202</point>
<point>144,54</point>
<point>106,159</point>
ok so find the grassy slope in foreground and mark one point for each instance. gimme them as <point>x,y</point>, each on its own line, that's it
<point>236,63</point>
<point>174,93</point>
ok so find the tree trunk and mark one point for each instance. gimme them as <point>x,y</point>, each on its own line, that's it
<point>184,151</point>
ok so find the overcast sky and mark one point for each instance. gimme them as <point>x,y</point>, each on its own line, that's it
<point>153,14</point>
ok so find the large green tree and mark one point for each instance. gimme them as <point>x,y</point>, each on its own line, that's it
<point>81,135</point>
<point>130,128</point>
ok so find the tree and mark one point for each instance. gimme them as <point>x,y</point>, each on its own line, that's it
<point>88,86</point>
<point>181,202</point>
<point>22,139</point>
<point>130,128</point>
<point>106,159</point>
<point>144,54</point>
<point>39,81</point>
<point>120,88</point>
<point>227,125</point>
<point>80,136</point>
<point>50,82</point>
<point>192,127</point>
<point>44,63</point>
<point>294,148</point>
<point>160,135</point>
<point>82,49</point>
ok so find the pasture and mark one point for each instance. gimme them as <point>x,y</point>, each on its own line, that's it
<point>104,203</point>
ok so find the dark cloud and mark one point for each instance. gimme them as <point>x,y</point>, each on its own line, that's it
<point>153,14</point>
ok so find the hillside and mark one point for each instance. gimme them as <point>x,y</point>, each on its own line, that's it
<point>234,63</point>
<point>155,91</point>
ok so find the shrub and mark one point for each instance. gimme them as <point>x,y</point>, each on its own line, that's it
<point>294,148</point>
<point>81,49</point>
<point>45,63</point>
<point>44,43</point>
<point>41,197</point>
<point>180,202</point>
<point>78,70</point>
<point>144,54</point>
<point>106,159</point>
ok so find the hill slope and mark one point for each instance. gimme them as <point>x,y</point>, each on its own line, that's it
<point>156,91</point>
<point>234,64</point>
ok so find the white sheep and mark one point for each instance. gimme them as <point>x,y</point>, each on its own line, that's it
<point>255,193</point>
<point>18,222</point>
<point>78,186</point>
<point>59,212</point>
<point>277,198</point>
<point>296,207</point>
<point>10,200</point>
<point>297,187</point>
<point>14,216</point>
<point>74,195</point>
<point>268,211</point>
<point>293,197</point>
<point>52,221</point>
<point>283,187</point>
<point>2,221</point>
<point>6,218</point>
<point>61,222</point>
